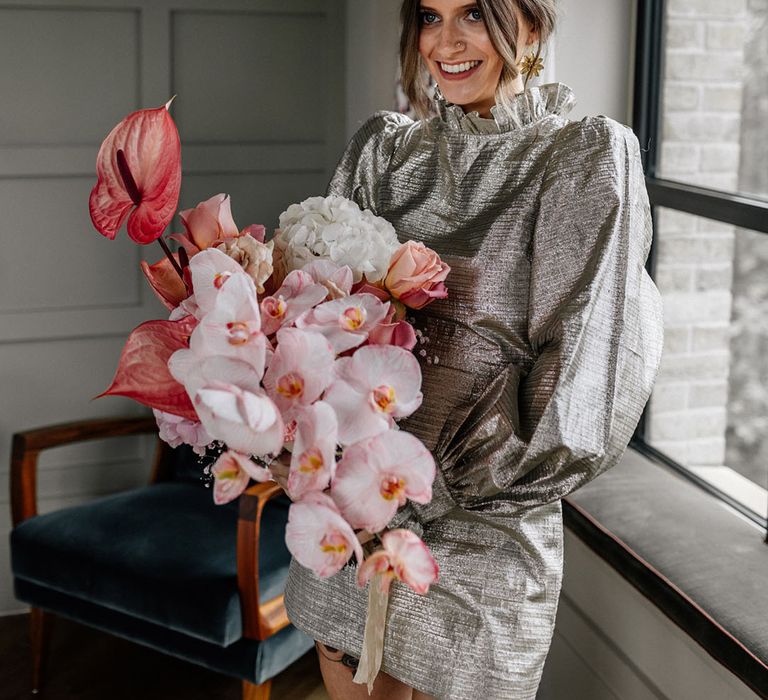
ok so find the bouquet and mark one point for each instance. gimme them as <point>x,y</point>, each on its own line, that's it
<point>296,349</point>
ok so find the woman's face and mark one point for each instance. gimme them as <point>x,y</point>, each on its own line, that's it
<point>456,48</point>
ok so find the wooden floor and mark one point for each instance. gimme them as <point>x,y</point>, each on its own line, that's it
<point>86,664</point>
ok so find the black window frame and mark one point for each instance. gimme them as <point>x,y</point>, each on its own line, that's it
<point>740,210</point>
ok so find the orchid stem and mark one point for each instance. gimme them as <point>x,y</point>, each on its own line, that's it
<point>170,257</point>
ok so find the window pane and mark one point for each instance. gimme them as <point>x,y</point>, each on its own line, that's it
<point>709,409</point>
<point>715,95</point>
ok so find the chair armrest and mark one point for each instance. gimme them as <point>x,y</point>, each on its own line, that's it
<point>28,445</point>
<point>260,620</point>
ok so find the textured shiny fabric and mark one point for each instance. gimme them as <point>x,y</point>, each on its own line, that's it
<point>535,373</point>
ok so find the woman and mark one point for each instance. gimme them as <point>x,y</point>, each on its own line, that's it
<point>538,364</point>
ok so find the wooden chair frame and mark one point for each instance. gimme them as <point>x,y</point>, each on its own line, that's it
<point>260,620</point>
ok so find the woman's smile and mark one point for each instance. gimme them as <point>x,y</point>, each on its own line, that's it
<point>458,71</point>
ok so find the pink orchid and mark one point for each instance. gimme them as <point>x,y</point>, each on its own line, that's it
<point>318,536</point>
<point>210,271</point>
<point>290,433</point>
<point>391,332</point>
<point>143,374</point>
<point>300,370</point>
<point>176,430</point>
<point>232,471</point>
<point>188,307</point>
<point>195,372</point>
<point>345,322</point>
<point>168,287</point>
<point>247,421</point>
<point>208,223</point>
<point>336,279</point>
<point>298,293</point>
<point>233,327</point>
<point>375,477</point>
<point>138,165</point>
<point>313,460</point>
<point>404,557</point>
<point>377,384</point>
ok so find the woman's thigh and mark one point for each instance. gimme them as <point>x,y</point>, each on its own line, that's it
<point>339,685</point>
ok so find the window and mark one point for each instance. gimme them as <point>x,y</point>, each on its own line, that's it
<point>700,113</point>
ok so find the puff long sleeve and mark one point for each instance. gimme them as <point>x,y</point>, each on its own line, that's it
<point>366,158</point>
<point>595,327</point>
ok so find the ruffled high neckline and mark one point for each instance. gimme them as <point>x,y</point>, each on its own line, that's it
<point>528,107</point>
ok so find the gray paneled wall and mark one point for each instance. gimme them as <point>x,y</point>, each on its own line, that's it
<point>260,106</point>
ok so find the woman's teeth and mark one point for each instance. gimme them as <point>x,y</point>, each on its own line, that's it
<point>459,67</point>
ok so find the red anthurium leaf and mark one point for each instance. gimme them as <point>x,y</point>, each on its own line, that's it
<point>143,373</point>
<point>139,164</point>
<point>165,282</point>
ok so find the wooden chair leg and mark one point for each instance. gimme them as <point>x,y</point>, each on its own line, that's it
<point>257,692</point>
<point>40,633</point>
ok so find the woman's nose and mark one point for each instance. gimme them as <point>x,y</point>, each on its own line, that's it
<point>449,38</point>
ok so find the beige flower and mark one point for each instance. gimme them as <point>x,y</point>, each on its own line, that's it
<point>252,255</point>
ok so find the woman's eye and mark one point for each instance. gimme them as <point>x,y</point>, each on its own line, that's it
<point>476,15</point>
<point>428,18</point>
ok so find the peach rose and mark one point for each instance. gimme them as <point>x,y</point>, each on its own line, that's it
<point>206,224</point>
<point>416,275</point>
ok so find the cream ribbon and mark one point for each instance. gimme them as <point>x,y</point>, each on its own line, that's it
<point>373,638</point>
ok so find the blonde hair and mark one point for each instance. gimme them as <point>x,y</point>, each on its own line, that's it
<point>501,23</point>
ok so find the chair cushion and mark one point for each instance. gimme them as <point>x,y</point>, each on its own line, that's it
<point>163,553</point>
<point>248,659</point>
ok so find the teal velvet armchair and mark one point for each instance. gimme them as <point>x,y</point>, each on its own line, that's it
<point>160,565</point>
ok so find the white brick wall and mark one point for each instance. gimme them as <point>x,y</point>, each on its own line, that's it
<point>701,125</point>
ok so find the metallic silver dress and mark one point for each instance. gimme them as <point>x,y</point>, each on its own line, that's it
<point>537,369</point>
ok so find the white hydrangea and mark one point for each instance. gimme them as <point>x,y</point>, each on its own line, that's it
<point>336,229</point>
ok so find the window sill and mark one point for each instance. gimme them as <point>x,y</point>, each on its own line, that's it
<point>701,563</point>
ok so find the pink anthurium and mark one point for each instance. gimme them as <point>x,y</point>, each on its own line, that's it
<point>298,293</point>
<point>373,387</point>
<point>404,557</point>
<point>232,471</point>
<point>313,460</point>
<point>299,371</point>
<point>375,477</point>
<point>318,536</point>
<point>143,373</point>
<point>233,327</point>
<point>345,322</point>
<point>138,165</point>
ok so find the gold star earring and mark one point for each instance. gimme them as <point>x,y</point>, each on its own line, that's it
<point>531,66</point>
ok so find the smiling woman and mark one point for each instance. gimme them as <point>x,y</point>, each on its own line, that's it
<point>539,362</point>
<point>473,51</point>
